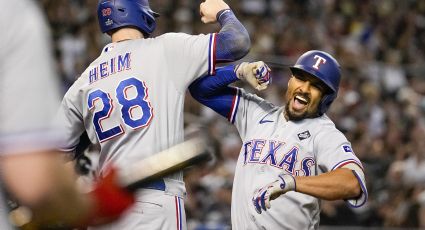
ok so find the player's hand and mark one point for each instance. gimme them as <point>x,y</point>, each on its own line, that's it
<point>257,74</point>
<point>110,199</point>
<point>263,196</point>
<point>209,9</point>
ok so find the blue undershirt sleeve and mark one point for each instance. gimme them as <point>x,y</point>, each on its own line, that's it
<point>214,92</point>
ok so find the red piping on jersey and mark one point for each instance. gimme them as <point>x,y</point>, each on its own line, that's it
<point>177,213</point>
<point>214,54</point>
<point>229,116</point>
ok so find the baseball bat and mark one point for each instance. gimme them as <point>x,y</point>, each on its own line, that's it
<point>195,150</point>
<point>192,151</point>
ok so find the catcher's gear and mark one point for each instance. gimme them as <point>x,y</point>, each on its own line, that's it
<point>323,66</point>
<point>257,74</point>
<point>114,14</point>
<point>262,196</point>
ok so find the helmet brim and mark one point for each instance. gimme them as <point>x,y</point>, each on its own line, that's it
<point>155,14</point>
<point>305,69</point>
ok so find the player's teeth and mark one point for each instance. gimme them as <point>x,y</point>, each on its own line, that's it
<point>301,99</point>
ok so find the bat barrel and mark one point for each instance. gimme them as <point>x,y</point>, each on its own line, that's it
<point>194,151</point>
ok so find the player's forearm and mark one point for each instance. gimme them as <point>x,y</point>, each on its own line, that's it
<point>233,40</point>
<point>209,85</point>
<point>76,206</point>
<point>335,185</point>
<point>41,182</point>
<point>214,92</point>
<point>57,200</point>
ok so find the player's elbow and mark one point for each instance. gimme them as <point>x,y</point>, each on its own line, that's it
<point>352,188</point>
<point>196,91</point>
<point>232,44</point>
<point>355,191</point>
<point>243,46</point>
<point>194,94</point>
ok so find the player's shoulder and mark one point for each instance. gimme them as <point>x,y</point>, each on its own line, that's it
<point>325,122</point>
<point>73,90</point>
<point>27,9</point>
<point>258,107</point>
<point>23,17</point>
<point>179,36</point>
<point>321,123</point>
<point>254,98</point>
<point>326,128</point>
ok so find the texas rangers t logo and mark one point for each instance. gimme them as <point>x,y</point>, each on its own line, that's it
<point>319,61</point>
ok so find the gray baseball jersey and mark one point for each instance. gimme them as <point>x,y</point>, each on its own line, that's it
<point>29,90</point>
<point>130,101</point>
<point>272,146</point>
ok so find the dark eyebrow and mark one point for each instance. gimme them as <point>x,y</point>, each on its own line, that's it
<point>314,81</point>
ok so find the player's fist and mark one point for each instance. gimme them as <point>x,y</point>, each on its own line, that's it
<point>263,196</point>
<point>110,199</point>
<point>210,8</point>
<point>257,74</point>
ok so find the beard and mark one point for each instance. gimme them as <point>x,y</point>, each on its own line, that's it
<point>292,116</point>
<point>298,117</point>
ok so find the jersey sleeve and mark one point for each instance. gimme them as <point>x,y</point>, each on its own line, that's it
<point>29,92</point>
<point>334,151</point>
<point>246,110</point>
<point>189,56</point>
<point>237,106</point>
<point>70,121</point>
<point>234,104</point>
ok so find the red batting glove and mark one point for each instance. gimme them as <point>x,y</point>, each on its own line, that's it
<point>110,200</point>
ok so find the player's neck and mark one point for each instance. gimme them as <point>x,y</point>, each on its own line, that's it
<point>126,34</point>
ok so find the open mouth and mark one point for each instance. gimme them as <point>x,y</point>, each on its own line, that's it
<point>300,102</point>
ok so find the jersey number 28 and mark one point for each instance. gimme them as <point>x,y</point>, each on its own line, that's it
<point>128,104</point>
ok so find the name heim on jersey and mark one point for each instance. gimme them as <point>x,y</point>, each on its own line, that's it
<point>110,67</point>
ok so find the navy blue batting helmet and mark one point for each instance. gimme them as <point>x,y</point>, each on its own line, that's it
<point>114,14</point>
<point>323,66</point>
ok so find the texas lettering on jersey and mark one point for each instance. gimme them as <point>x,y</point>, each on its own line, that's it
<point>273,153</point>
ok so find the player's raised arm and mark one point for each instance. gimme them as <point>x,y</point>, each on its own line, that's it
<point>210,90</point>
<point>232,42</point>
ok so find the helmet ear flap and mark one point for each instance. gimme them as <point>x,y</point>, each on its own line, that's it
<point>149,23</point>
<point>325,103</point>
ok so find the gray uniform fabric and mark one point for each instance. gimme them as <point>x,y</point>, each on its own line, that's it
<point>29,90</point>
<point>130,101</point>
<point>272,146</point>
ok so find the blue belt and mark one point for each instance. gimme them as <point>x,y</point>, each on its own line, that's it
<point>157,185</point>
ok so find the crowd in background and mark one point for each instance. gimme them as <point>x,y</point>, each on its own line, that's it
<point>380,106</point>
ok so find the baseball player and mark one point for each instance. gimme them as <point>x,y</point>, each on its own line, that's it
<point>130,99</point>
<point>292,156</point>
<point>31,170</point>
